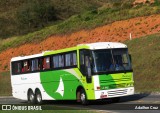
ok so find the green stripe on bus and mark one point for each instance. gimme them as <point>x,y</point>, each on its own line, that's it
<point>59,84</point>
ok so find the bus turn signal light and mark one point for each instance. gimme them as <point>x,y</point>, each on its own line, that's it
<point>98,87</point>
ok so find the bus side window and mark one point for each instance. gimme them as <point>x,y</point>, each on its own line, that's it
<point>68,59</point>
<point>46,63</point>
<point>55,61</point>
<point>26,66</point>
<point>35,65</point>
<point>58,61</point>
<point>16,67</point>
<point>19,67</point>
<point>61,60</point>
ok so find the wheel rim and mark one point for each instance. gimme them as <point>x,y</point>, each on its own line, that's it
<point>31,97</point>
<point>39,98</point>
<point>83,97</point>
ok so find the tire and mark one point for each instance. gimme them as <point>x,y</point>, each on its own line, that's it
<point>38,97</point>
<point>116,99</point>
<point>31,97</point>
<point>83,97</point>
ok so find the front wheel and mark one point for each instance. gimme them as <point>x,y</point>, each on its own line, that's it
<point>38,97</point>
<point>83,97</point>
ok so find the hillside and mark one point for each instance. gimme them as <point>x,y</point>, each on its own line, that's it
<point>19,17</point>
<point>145,53</point>
<point>85,21</point>
<point>145,59</point>
<point>116,31</point>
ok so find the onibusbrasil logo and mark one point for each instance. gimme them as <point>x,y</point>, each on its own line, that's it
<point>20,107</point>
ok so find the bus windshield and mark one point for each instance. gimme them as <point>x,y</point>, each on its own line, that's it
<point>111,60</point>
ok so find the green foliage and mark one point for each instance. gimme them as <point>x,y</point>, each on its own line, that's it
<point>157,2</point>
<point>5,84</point>
<point>123,4</point>
<point>19,17</point>
<point>146,59</point>
<point>8,5</point>
<point>35,14</point>
<point>86,20</point>
<point>66,8</point>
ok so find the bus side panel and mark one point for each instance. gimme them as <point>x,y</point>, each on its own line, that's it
<point>88,87</point>
<point>60,84</point>
<point>21,84</point>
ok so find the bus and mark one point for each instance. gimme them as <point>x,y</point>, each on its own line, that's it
<point>92,71</point>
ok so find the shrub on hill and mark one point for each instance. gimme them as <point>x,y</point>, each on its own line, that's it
<point>35,14</point>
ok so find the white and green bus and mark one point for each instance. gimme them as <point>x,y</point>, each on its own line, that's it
<point>85,72</point>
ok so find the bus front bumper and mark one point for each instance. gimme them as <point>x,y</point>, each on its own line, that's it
<point>101,94</point>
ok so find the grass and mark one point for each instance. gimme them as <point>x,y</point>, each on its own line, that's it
<point>145,53</point>
<point>5,84</point>
<point>86,20</point>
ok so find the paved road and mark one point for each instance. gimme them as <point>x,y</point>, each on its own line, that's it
<point>128,102</point>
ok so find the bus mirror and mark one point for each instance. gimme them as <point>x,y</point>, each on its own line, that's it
<point>130,58</point>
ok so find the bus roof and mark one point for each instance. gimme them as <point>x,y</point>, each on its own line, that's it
<point>104,45</point>
<point>92,46</point>
<point>26,57</point>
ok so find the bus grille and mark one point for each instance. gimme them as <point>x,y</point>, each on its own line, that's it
<point>115,80</point>
<point>117,92</point>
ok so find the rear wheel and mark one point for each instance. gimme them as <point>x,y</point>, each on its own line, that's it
<point>83,97</point>
<point>31,97</point>
<point>38,97</point>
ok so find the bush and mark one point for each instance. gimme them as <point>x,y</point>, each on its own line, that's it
<point>8,28</point>
<point>157,2</point>
<point>35,14</point>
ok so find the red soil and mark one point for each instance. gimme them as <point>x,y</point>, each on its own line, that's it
<point>117,31</point>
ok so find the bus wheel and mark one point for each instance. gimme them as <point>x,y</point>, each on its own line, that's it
<point>83,97</point>
<point>116,99</point>
<point>31,97</point>
<point>38,97</point>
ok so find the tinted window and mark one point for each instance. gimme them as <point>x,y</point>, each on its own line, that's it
<point>58,61</point>
<point>55,61</point>
<point>35,65</point>
<point>46,63</point>
<point>68,59</point>
<point>25,66</point>
<point>71,59</point>
<point>16,67</point>
<point>61,60</point>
